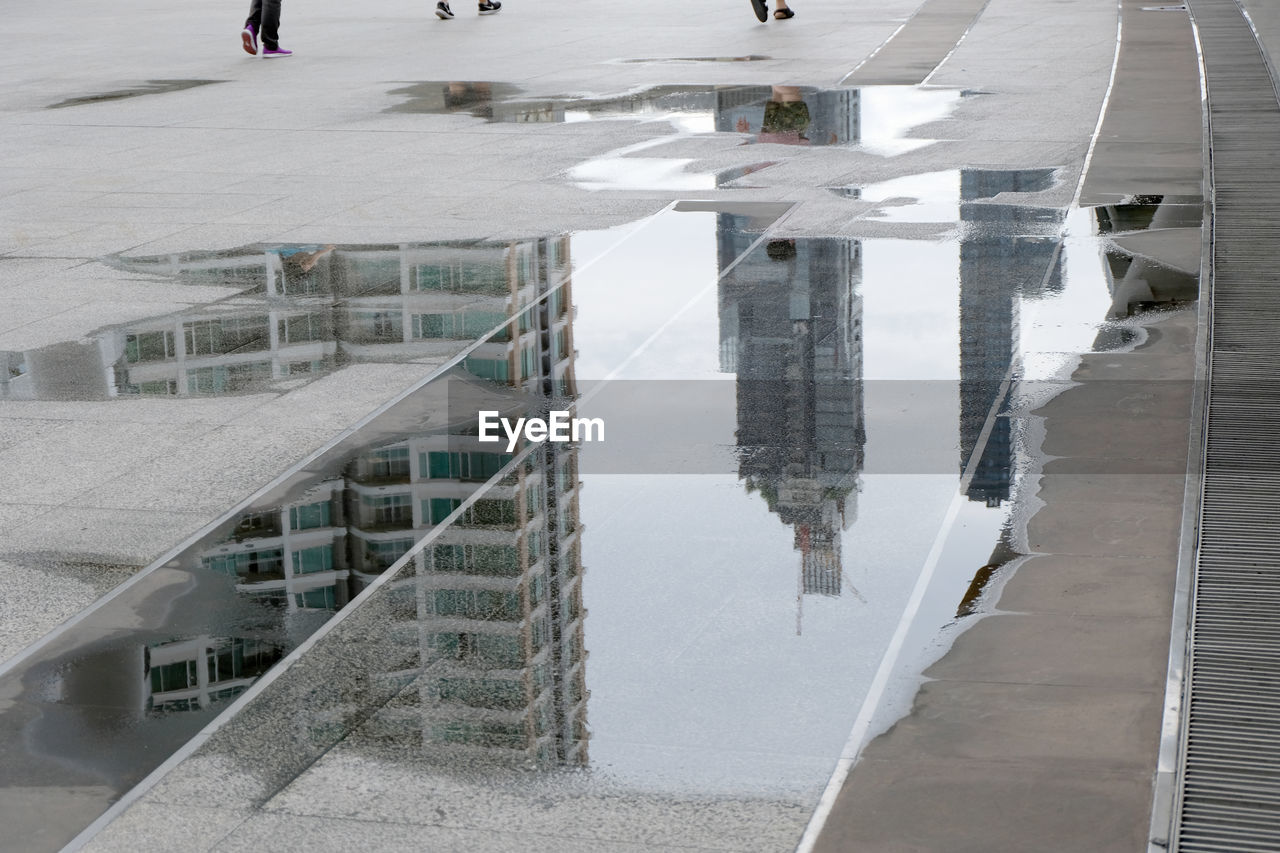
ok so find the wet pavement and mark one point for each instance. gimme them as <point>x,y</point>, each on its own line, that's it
<point>809,331</point>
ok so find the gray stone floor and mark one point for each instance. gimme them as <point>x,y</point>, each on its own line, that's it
<point>312,149</point>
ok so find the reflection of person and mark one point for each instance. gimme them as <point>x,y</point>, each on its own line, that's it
<point>487,7</point>
<point>296,263</point>
<point>477,96</point>
<point>264,21</point>
<point>304,257</point>
<point>780,13</point>
<point>786,117</point>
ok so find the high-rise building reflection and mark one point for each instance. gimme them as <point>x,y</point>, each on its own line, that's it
<point>1005,256</point>
<point>498,619</point>
<point>790,329</point>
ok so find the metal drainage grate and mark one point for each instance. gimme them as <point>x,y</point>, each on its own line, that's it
<point>1229,791</point>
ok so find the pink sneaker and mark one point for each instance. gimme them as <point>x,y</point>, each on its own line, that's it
<point>249,38</point>
<point>276,51</point>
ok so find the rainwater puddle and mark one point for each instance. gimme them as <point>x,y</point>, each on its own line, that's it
<point>150,87</point>
<point>881,119</point>
<point>751,57</point>
<point>778,438</point>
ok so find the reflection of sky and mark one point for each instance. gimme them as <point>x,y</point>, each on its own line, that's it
<point>634,290</point>
<point>1060,325</point>
<point>890,113</point>
<point>698,678</point>
<point>697,675</point>
<point>934,197</point>
<point>910,304</point>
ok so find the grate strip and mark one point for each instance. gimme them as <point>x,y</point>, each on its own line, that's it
<point>1228,795</point>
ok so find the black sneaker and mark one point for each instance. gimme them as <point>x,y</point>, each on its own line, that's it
<point>489,7</point>
<point>761,10</point>
<point>443,12</point>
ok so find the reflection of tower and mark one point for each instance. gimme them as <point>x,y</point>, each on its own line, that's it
<point>790,328</point>
<point>499,591</point>
<point>1004,256</point>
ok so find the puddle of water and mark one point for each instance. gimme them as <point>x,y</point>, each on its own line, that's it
<point>302,311</point>
<point>751,57</point>
<point>939,197</point>
<point>151,87</point>
<point>877,119</point>
<point>787,422</point>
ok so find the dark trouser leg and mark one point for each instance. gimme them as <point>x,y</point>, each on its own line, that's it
<point>265,17</point>
<point>270,24</point>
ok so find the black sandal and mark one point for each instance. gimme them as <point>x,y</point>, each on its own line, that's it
<point>783,14</point>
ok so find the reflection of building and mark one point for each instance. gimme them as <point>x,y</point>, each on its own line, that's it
<point>302,311</point>
<point>500,591</point>
<point>293,556</point>
<point>790,328</point>
<point>499,596</point>
<point>1005,256</point>
<point>191,674</point>
<point>499,600</point>
<point>1145,272</point>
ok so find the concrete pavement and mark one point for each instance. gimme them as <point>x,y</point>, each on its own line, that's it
<point>313,150</point>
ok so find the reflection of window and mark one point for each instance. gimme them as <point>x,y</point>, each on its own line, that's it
<point>460,277</point>
<point>389,462</point>
<point>498,652</point>
<point>316,599</point>
<point>308,561</point>
<point>483,513</point>
<point>382,554</point>
<point>379,324</point>
<point>480,732</point>
<point>390,509</point>
<point>526,264</point>
<point>310,516</point>
<point>483,692</point>
<point>528,363</point>
<point>488,560</point>
<point>173,676</point>
<point>372,273</point>
<point>158,388</point>
<point>307,327</point>
<point>226,334</point>
<point>555,303</point>
<point>478,604</point>
<point>227,378</point>
<point>496,369</point>
<point>467,325</point>
<point>438,509</point>
<point>491,512</point>
<point>441,465</point>
<point>148,346</point>
<point>267,561</point>
<point>238,658</point>
<point>256,523</point>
